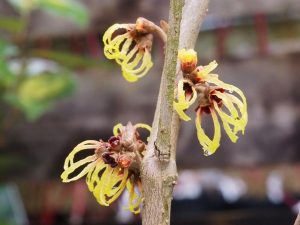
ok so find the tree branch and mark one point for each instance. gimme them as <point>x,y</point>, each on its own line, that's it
<point>159,172</point>
<point>297,222</point>
<point>161,128</point>
<point>194,12</point>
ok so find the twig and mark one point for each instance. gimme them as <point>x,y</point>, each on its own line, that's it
<point>160,32</point>
<point>159,172</point>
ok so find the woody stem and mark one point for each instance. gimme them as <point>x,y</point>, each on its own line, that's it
<point>159,172</point>
<point>160,33</point>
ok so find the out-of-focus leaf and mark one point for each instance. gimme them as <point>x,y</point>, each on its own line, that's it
<point>24,6</point>
<point>7,78</point>
<point>71,9</point>
<point>70,60</point>
<point>6,49</point>
<point>31,109</point>
<point>37,94</point>
<point>10,24</point>
<point>8,162</point>
<point>68,8</point>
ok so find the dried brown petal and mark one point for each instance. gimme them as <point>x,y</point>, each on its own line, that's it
<point>109,158</point>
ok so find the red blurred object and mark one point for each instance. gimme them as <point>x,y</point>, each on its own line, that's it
<point>222,35</point>
<point>79,204</point>
<point>261,27</point>
<point>47,212</point>
<point>93,44</point>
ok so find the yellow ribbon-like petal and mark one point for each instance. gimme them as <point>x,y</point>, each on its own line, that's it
<point>113,50</point>
<point>226,120</point>
<point>135,62</point>
<point>107,37</point>
<point>180,108</point>
<point>203,73</point>
<point>93,175</point>
<point>99,190</point>
<point>132,58</point>
<point>242,104</point>
<point>209,146</point>
<point>71,166</point>
<point>243,110</point>
<point>70,170</point>
<point>107,183</point>
<point>183,103</point>
<point>135,196</point>
<point>117,128</point>
<point>89,144</point>
<point>143,125</point>
<point>129,56</point>
<point>236,119</point>
<point>134,70</point>
<point>117,184</point>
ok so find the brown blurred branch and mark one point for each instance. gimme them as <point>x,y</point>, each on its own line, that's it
<point>159,172</point>
<point>297,222</point>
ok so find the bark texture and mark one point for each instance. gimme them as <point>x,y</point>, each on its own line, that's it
<point>159,172</point>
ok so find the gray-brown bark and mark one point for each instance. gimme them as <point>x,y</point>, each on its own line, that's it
<point>159,172</point>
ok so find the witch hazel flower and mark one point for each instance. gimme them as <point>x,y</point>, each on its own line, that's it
<point>113,166</point>
<point>223,102</point>
<point>130,46</point>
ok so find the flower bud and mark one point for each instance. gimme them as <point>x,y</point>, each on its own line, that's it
<point>144,26</point>
<point>114,141</point>
<point>124,161</point>
<point>188,60</point>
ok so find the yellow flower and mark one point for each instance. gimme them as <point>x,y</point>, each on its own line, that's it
<point>216,98</point>
<point>131,50</point>
<point>234,118</point>
<point>188,60</point>
<point>111,168</point>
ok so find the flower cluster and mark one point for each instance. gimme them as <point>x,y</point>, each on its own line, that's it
<point>114,165</point>
<point>213,97</point>
<point>130,45</point>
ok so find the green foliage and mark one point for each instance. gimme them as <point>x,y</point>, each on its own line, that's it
<point>33,94</point>
<point>72,61</point>
<point>6,76</point>
<point>37,94</point>
<point>11,24</point>
<point>71,9</point>
<point>6,49</point>
<point>24,6</point>
<point>68,8</point>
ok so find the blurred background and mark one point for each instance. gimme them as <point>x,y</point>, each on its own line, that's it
<point>57,89</point>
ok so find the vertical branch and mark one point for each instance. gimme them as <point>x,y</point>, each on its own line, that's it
<point>161,127</point>
<point>159,172</point>
<point>297,222</point>
<point>193,15</point>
